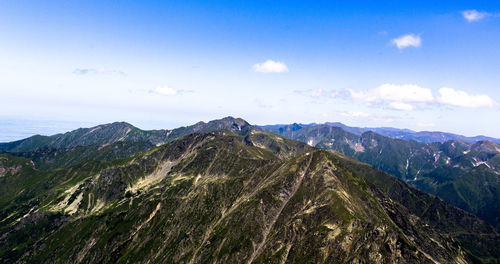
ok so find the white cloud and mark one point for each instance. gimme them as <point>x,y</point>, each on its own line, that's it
<point>317,92</point>
<point>401,106</point>
<point>165,90</point>
<point>474,15</point>
<point>454,97</point>
<point>355,114</point>
<point>98,71</point>
<point>320,92</point>
<point>270,66</point>
<point>408,40</point>
<point>260,103</point>
<point>394,93</point>
<point>404,97</point>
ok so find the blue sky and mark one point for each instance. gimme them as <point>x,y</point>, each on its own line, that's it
<point>423,65</point>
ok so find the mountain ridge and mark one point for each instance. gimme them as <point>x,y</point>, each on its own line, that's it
<point>119,131</point>
<point>465,174</point>
<point>452,170</point>
<point>395,133</point>
<point>234,198</point>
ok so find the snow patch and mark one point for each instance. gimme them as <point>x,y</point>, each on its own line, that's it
<point>476,163</point>
<point>418,172</point>
<point>436,157</point>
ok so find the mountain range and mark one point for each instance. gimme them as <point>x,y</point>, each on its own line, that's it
<point>229,192</point>
<point>395,133</point>
<point>465,174</point>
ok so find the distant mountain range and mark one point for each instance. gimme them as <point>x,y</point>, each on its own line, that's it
<point>226,191</point>
<point>464,174</point>
<point>396,133</point>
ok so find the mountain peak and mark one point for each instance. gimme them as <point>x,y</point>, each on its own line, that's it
<point>238,120</point>
<point>211,197</point>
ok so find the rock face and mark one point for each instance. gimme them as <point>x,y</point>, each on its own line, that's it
<point>465,174</point>
<point>225,197</point>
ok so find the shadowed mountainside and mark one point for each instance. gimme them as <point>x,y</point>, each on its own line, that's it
<point>224,197</point>
<point>107,142</point>
<point>106,134</point>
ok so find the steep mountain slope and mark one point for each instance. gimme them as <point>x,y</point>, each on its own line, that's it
<point>47,159</point>
<point>464,174</point>
<point>107,142</point>
<point>227,198</point>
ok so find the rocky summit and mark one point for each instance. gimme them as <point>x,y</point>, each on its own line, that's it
<point>231,195</point>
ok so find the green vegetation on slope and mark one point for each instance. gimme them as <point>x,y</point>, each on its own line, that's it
<point>232,198</point>
<point>466,175</point>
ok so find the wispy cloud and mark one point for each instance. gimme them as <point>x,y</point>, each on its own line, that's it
<point>454,97</point>
<point>420,124</point>
<point>270,66</point>
<point>474,15</point>
<point>383,119</point>
<point>90,71</point>
<point>261,104</point>
<point>319,93</point>
<point>408,40</point>
<point>355,114</point>
<point>168,91</point>
<point>367,116</point>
